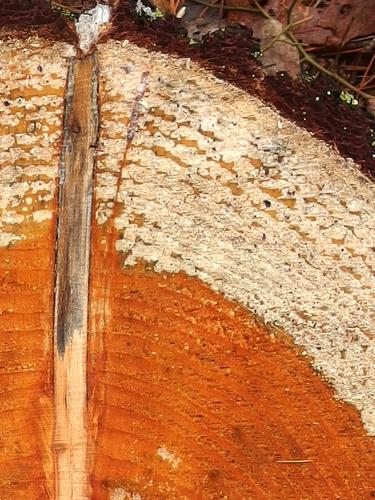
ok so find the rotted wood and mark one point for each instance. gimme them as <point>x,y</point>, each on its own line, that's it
<point>72,278</point>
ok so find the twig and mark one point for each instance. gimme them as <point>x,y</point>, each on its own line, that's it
<point>342,43</point>
<point>312,61</point>
<point>262,11</point>
<point>367,71</point>
<point>326,71</point>
<point>304,54</point>
<point>290,11</point>
<point>203,11</point>
<point>226,7</point>
<point>293,44</point>
<point>284,30</point>
<point>221,11</point>
<point>366,83</point>
<point>70,8</point>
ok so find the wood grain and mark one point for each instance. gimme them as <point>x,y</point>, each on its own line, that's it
<point>32,88</point>
<point>189,395</point>
<point>193,399</point>
<point>26,399</point>
<point>72,275</point>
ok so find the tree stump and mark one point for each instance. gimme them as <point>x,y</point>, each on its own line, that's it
<point>186,287</point>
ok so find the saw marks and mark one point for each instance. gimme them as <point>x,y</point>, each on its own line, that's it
<point>32,89</point>
<point>72,275</point>
<point>220,203</point>
<point>194,399</point>
<point>217,185</point>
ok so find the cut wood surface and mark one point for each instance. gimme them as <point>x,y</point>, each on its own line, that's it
<point>32,88</point>
<point>228,263</point>
<point>194,399</point>
<point>26,368</point>
<point>219,186</point>
<point>190,397</point>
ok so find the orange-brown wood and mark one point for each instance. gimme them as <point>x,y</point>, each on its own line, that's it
<point>26,404</point>
<point>191,398</point>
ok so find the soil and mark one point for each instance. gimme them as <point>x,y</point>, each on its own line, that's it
<point>22,18</point>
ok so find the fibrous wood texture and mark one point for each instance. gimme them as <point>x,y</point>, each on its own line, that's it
<point>194,399</point>
<point>72,276</point>
<point>227,245</point>
<point>32,83</point>
<point>217,185</point>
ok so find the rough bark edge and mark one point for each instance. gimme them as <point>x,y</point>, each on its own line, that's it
<point>24,18</point>
<point>228,55</point>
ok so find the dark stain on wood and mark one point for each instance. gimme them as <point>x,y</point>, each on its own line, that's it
<point>72,281</point>
<point>75,201</point>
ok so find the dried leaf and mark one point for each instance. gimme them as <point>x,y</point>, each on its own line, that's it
<point>278,55</point>
<point>332,23</point>
<point>199,21</point>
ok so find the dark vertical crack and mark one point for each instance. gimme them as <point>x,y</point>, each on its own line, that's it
<point>73,243</point>
<point>75,201</point>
